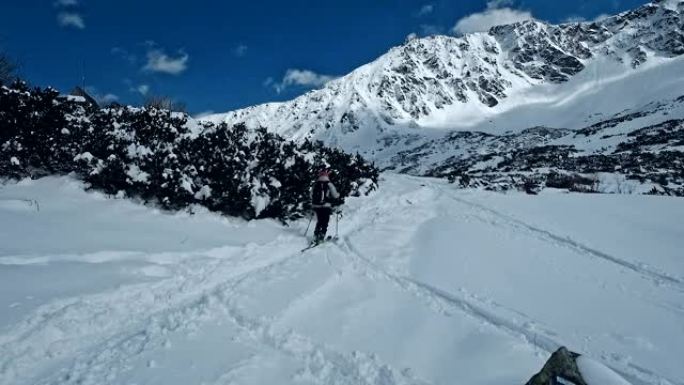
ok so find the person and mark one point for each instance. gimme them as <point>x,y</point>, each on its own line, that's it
<point>324,196</point>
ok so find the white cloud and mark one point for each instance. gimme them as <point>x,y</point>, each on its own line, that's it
<point>425,30</point>
<point>66,3</point>
<point>240,50</point>
<point>302,78</point>
<point>203,114</point>
<point>494,15</point>
<point>601,17</point>
<point>70,19</point>
<point>142,89</point>
<point>574,19</point>
<point>426,10</point>
<point>494,4</point>
<point>159,61</point>
<point>430,29</point>
<point>580,19</point>
<point>101,99</point>
<point>107,98</point>
<point>268,81</point>
<point>124,54</point>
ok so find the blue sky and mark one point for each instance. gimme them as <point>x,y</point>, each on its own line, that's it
<point>222,55</point>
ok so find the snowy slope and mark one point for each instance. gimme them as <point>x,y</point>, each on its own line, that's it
<point>512,78</point>
<point>465,287</point>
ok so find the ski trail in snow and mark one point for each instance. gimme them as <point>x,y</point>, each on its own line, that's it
<point>321,364</point>
<point>446,303</point>
<point>63,329</point>
<point>507,320</point>
<point>658,277</point>
<point>261,294</point>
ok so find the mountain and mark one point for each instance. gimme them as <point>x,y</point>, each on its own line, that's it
<point>439,94</point>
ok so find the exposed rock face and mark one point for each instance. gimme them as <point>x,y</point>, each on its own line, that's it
<point>561,368</point>
<point>626,145</point>
<point>426,76</point>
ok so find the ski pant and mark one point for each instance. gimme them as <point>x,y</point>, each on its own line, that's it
<point>322,220</point>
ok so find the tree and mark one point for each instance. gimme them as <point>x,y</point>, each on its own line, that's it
<point>161,102</point>
<point>7,69</point>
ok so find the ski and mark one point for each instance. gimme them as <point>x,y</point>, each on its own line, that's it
<point>310,247</point>
<point>313,245</point>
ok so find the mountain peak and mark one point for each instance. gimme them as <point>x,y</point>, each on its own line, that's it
<point>450,82</point>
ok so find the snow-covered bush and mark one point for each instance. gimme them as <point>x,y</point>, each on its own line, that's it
<point>166,158</point>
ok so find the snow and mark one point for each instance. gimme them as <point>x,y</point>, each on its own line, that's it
<point>672,5</point>
<point>14,161</point>
<point>203,193</point>
<point>596,374</point>
<point>427,285</point>
<point>87,156</point>
<point>603,89</point>
<point>619,184</point>
<point>259,202</point>
<point>137,175</point>
<point>74,98</point>
<point>137,151</point>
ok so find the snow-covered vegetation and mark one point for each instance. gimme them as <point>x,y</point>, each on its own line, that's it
<point>166,157</point>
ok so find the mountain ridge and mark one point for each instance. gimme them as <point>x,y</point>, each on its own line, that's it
<point>412,83</point>
<point>449,106</point>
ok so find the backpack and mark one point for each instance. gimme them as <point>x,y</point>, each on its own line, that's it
<point>320,193</point>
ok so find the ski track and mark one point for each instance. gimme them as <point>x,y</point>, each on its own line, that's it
<point>57,331</point>
<point>90,343</point>
<point>321,364</point>
<point>658,277</point>
<point>506,320</point>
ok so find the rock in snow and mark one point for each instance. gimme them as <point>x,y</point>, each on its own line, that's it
<point>569,368</point>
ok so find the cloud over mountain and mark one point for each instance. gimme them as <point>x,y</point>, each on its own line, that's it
<point>498,12</point>
<point>160,62</point>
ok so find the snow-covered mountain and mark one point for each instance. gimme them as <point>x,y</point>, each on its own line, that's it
<point>503,82</point>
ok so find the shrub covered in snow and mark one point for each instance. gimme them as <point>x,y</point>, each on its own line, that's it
<point>166,157</point>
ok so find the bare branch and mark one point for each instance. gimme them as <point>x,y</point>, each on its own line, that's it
<point>8,69</point>
<point>164,103</point>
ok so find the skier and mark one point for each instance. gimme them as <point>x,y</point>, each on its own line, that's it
<point>324,196</point>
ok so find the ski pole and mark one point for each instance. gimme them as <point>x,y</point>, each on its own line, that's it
<point>309,225</point>
<point>337,225</point>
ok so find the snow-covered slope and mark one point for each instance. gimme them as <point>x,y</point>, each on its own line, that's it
<point>645,142</point>
<point>461,82</point>
<point>465,287</point>
<point>512,78</point>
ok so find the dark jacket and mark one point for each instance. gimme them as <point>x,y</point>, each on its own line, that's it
<point>327,190</point>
